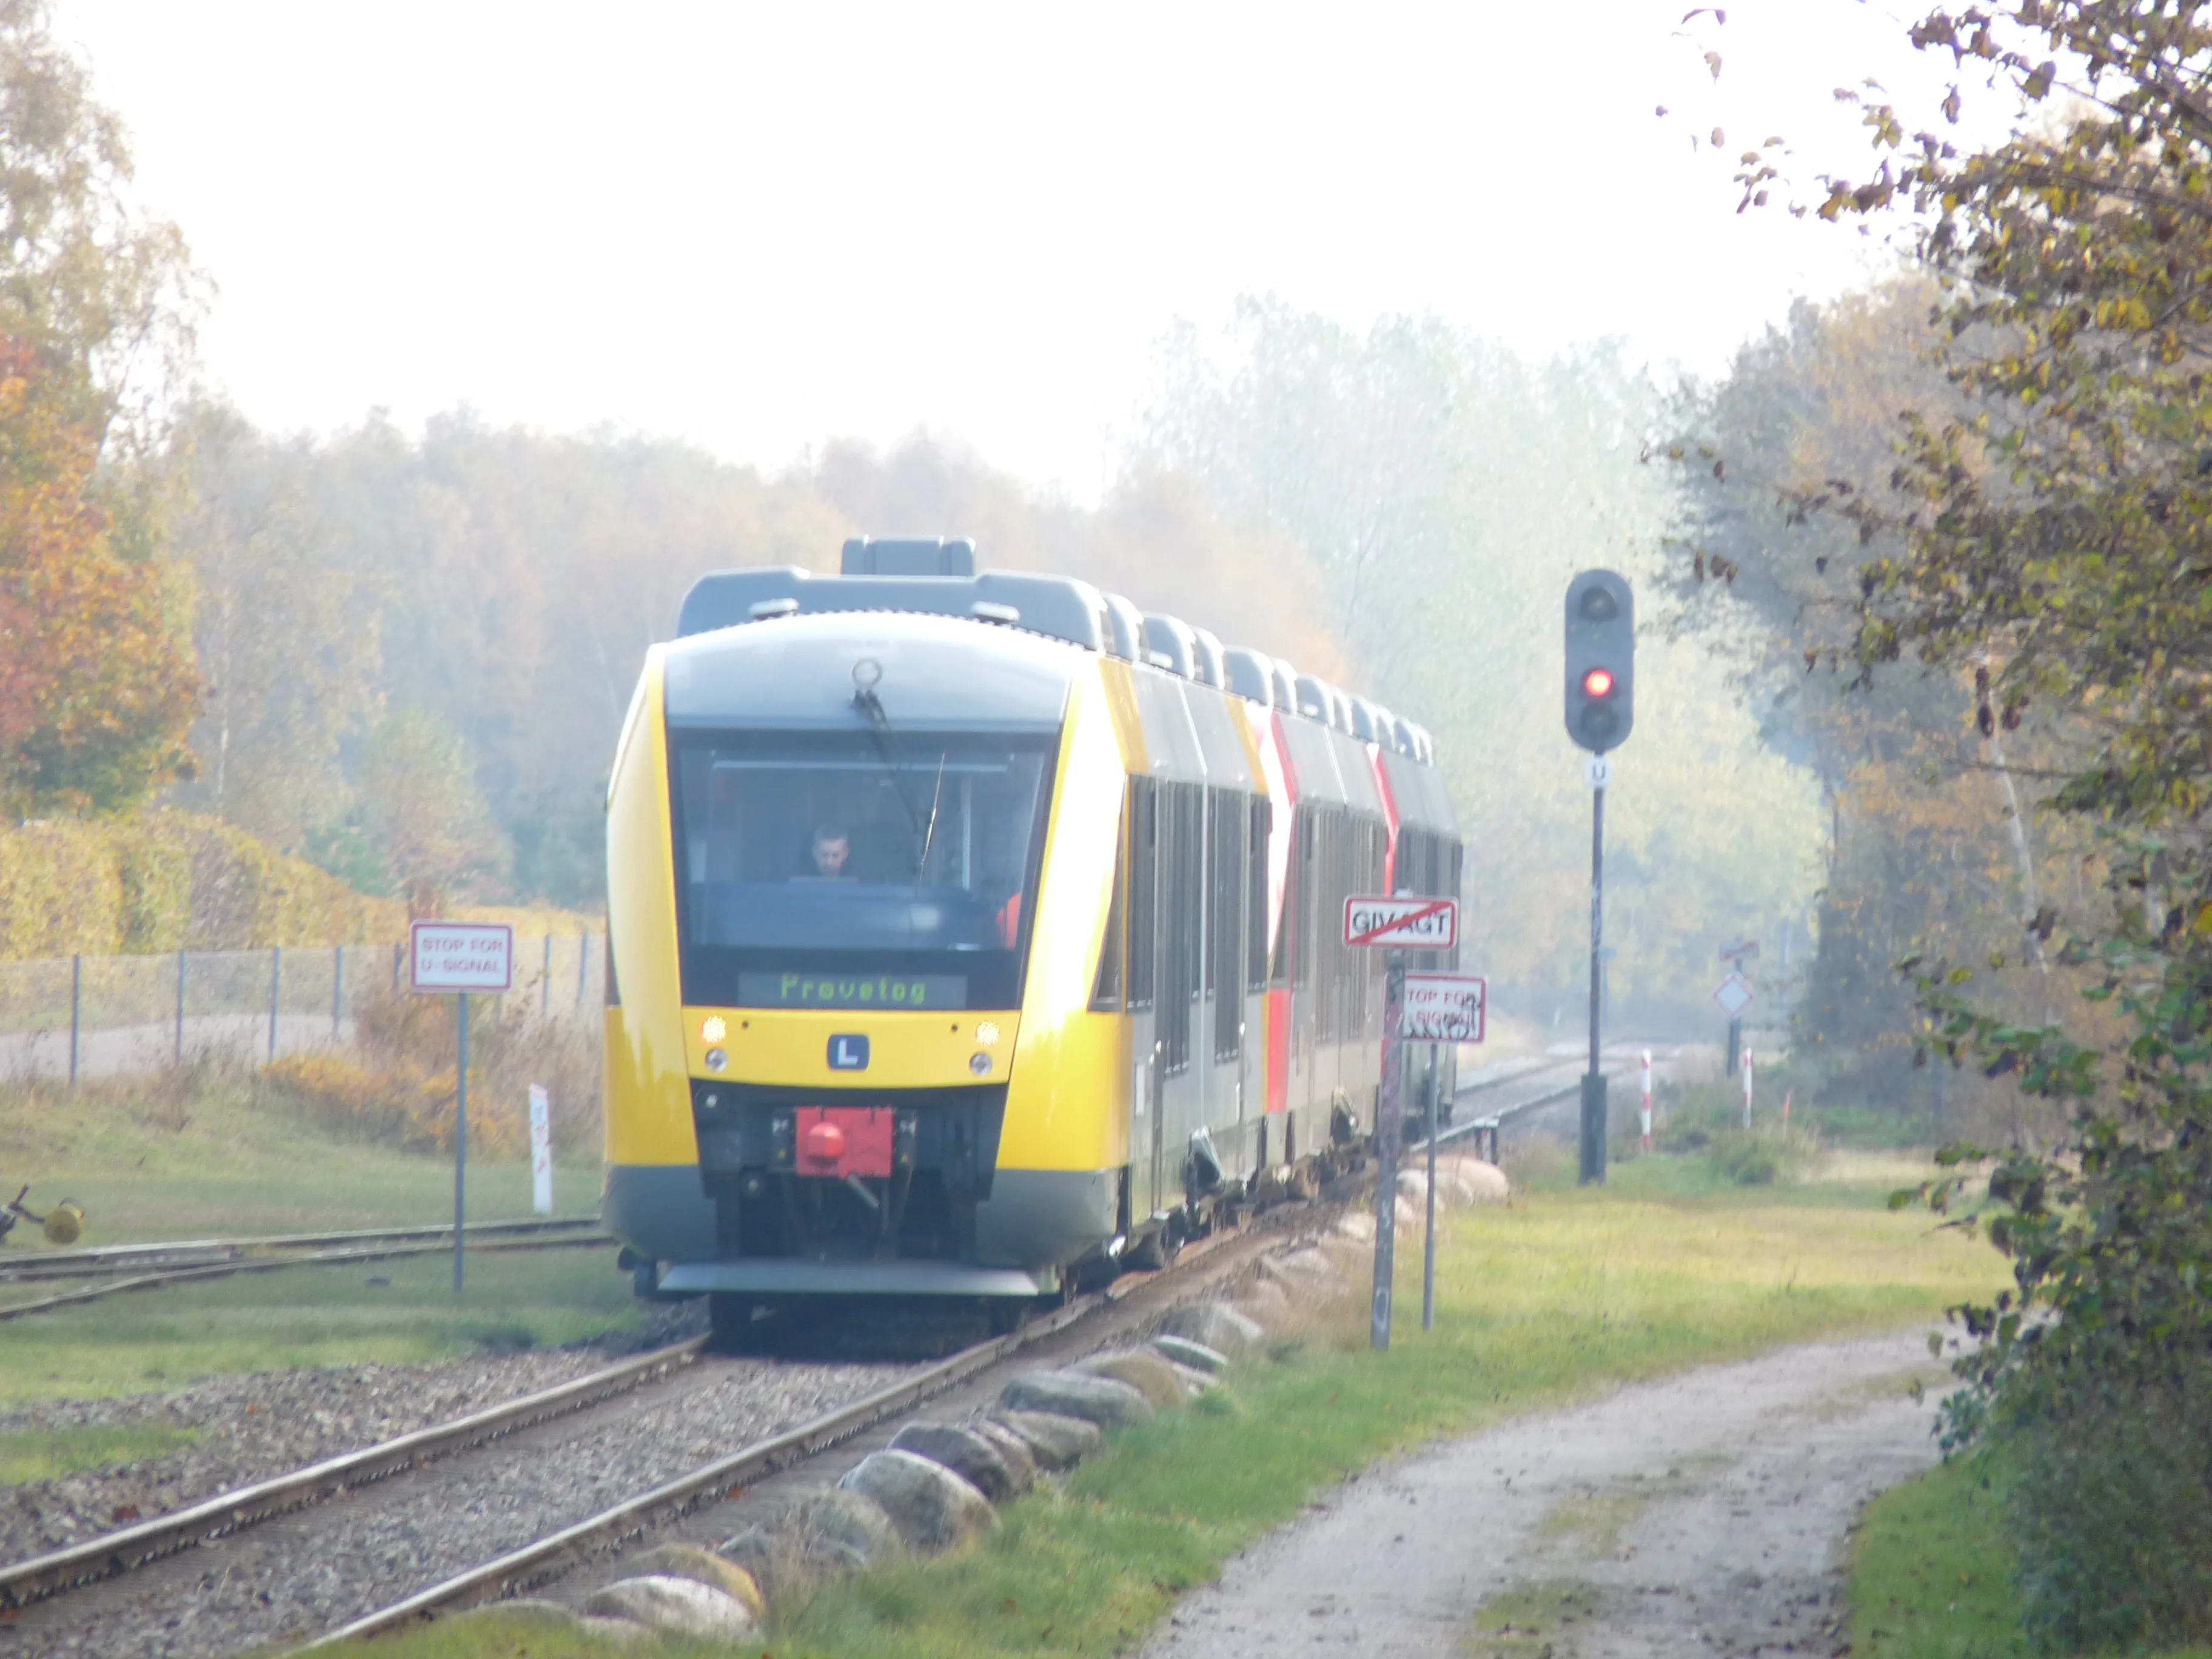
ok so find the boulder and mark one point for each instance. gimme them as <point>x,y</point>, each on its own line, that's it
<point>1357,1225</point>
<point>1482,1182</point>
<point>965,1451</point>
<point>1147,1373</point>
<point>1057,1441</point>
<point>1215,1324</point>
<point>1305,1269</point>
<point>525,1616</point>
<point>1021,1458</point>
<point>932,1508</point>
<point>1263,1303</point>
<point>792,1543</point>
<point>1193,1384</point>
<point>674,1606</point>
<point>1100,1399</point>
<point>1194,1355</point>
<point>689,1561</point>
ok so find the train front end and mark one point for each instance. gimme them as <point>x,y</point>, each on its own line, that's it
<point>829,887</point>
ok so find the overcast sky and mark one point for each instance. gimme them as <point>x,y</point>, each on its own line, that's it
<point>756,227</point>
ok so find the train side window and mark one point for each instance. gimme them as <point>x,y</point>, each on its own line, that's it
<point>1261,817</point>
<point>1106,986</point>
<point>1311,899</point>
<point>1144,889</point>
<point>1183,918</point>
<point>1225,944</point>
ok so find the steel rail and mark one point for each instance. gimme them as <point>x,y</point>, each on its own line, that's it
<point>548,1558</point>
<point>274,1263</point>
<point>29,1266</point>
<point>115,1552</point>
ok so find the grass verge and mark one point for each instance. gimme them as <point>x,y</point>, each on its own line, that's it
<point>205,1153</point>
<point>162,1339</point>
<point>1931,1571</point>
<point>1538,1304</point>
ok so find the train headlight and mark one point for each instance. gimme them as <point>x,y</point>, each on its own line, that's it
<point>980,1064</point>
<point>987,1033</point>
<point>714,1029</point>
<point>716,1059</point>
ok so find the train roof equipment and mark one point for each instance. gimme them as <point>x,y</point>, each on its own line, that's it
<point>938,577</point>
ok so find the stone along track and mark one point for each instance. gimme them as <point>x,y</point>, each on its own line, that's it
<point>706,1503</point>
<point>511,1496</point>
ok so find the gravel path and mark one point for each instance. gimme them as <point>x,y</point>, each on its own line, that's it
<point>248,1428</point>
<point>1701,1516</point>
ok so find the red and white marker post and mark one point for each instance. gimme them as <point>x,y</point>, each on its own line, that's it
<point>1647,1100</point>
<point>1747,1085</point>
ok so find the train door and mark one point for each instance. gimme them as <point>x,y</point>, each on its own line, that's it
<point>1181,863</point>
<point>1146,1073</point>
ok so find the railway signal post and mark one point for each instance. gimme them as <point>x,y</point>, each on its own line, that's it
<point>1601,711</point>
<point>457,957</point>
<point>1396,925</point>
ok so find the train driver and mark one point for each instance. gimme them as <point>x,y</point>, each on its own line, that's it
<point>829,850</point>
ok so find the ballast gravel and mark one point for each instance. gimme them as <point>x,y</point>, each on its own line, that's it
<point>253,1427</point>
<point>299,1576</point>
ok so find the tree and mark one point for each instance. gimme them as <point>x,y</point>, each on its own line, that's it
<point>425,812</point>
<point>97,693</point>
<point>285,634</point>
<point>2050,542</point>
<point>1932,849</point>
<point>1445,491</point>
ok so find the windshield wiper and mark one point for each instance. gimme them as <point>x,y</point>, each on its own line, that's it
<point>866,700</point>
<point>936,800</point>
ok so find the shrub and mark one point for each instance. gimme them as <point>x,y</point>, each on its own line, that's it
<point>400,1088</point>
<point>2112,1517</point>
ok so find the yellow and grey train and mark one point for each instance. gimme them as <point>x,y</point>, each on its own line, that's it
<point>970,932</point>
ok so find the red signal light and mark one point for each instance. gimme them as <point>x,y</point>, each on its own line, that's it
<point>1598,682</point>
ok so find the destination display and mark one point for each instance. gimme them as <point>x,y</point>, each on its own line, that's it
<point>817,990</point>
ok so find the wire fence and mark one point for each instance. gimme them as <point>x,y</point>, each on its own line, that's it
<point>96,1016</point>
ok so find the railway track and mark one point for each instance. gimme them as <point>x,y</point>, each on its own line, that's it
<point>35,1593</point>
<point>119,1270</point>
<point>32,1589</point>
<point>38,1266</point>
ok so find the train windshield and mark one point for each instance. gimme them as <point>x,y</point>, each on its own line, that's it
<point>887,869</point>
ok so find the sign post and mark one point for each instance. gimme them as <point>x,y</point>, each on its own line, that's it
<point>1396,925</point>
<point>1735,954</point>
<point>1733,996</point>
<point>1647,1100</point>
<point>457,957</point>
<point>1440,1008</point>
<point>541,1151</point>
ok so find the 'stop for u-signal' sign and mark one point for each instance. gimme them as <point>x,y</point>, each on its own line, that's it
<point>461,955</point>
<point>1402,924</point>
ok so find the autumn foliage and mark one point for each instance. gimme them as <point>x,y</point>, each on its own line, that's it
<point>95,694</point>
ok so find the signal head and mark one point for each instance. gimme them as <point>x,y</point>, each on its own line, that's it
<point>1601,661</point>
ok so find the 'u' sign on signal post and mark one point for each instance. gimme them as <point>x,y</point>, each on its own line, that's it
<point>1600,712</point>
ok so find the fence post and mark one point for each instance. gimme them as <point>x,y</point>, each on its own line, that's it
<point>76,1010</point>
<point>180,1006</point>
<point>545,982</point>
<point>583,965</point>
<point>397,949</point>
<point>338,987</point>
<point>276,984</point>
